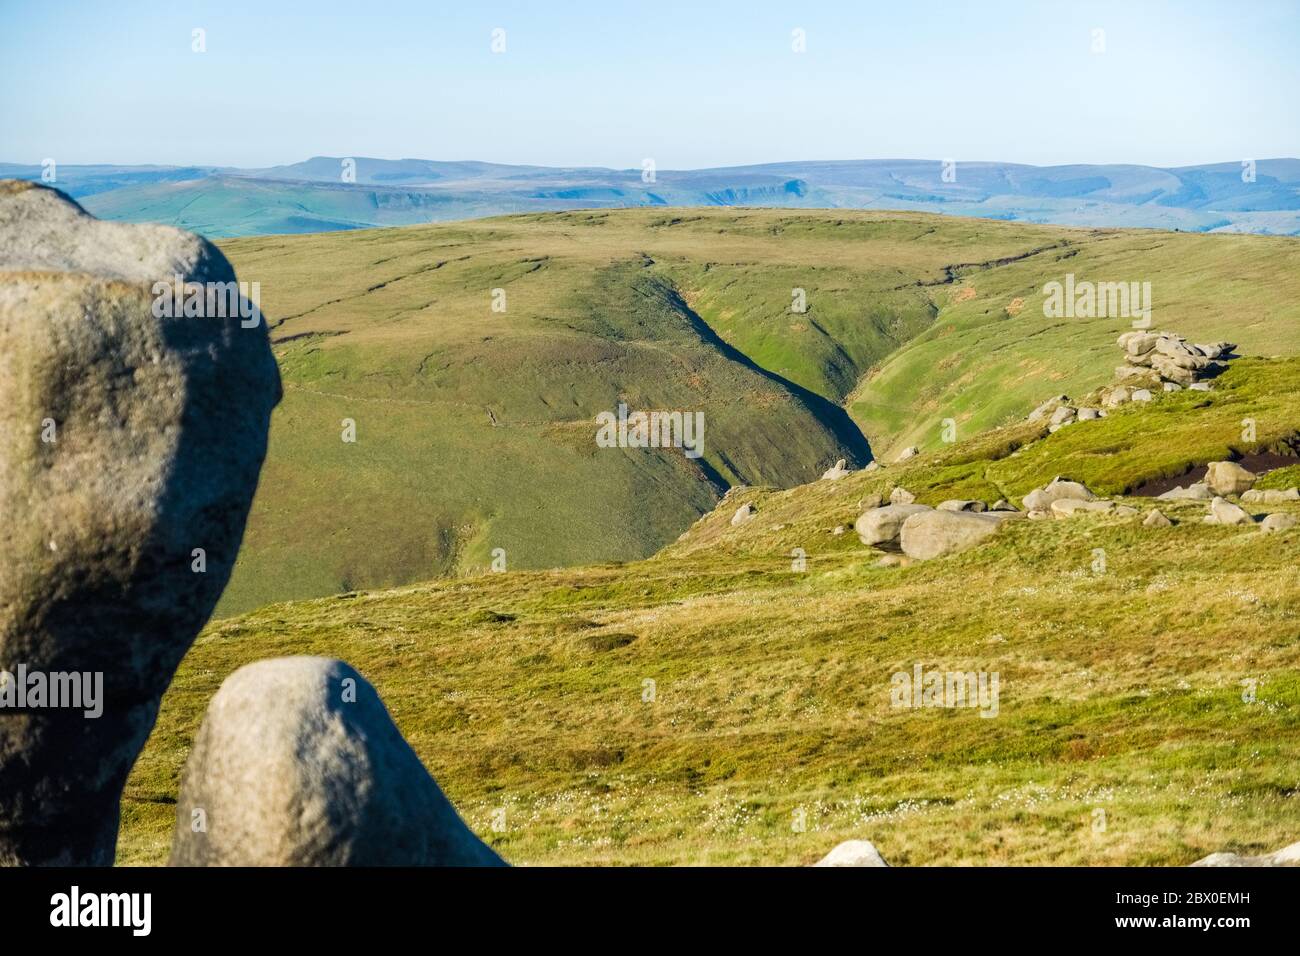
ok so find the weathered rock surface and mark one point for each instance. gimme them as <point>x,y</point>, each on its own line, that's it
<point>1279,521</point>
<point>909,452</point>
<point>880,527</point>
<point>298,763</point>
<point>838,471</point>
<point>901,496</point>
<point>127,442</point>
<point>853,853</point>
<point>962,504</point>
<point>1270,496</point>
<point>1225,512</point>
<point>1156,519</point>
<point>1287,856</point>
<point>1228,478</point>
<point>743,514</point>
<point>1198,491</point>
<point>1040,499</point>
<point>933,534</point>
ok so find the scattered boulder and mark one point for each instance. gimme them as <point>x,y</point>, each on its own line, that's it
<point>1198,491</point>
<point>160,428</point>
<point>837,472</point>
<point>743,514</point>
<point>1062,416</point>
<point>1287,856</point>
<point>853,853</point>
<point>1003,505</point>
<point>962,504</point>
<point>873,465</point>
<point>1039,413</point>
<point>1041,499</point>
<point>871,501</point>
<point>297,763</point>
<point>909,452</point>
<point>1156,519</point>
<point>880,527</point>
<point>901,496</point>
<point>1270,496</point>
<point>1228,478</point>
<point>1088,414</point>
<point>1142,395</point>
<point>1199,386</point>
<point>1225,512</point>
<point>933,534</point>
<point>1171,386</point>
<point>1064,507</point>
<point>1279,521</point>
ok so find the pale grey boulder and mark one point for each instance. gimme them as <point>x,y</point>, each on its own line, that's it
<point>1278,522</point>
<point>1041,499</point>
<point>933,534</point>
<point>838,471</point>
<point>298,763</point>
<point>853,853</point>
<point>911,451</point>
<point>1228,478</point>
<point>1270,496</point>
<point>743,514</point>
<point>1156,519</point>
<point>1287,856</point>
<point>880,527</point>
<point>128,443</point>
<point>1197,491</point>
<point>1225,512</point>
<point>962,504</point>
<point>901,496</point>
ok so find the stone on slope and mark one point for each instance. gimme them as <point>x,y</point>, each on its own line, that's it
<point>1041,411</point>
<point>1062,416</point>
<point>1287,856</point>
<point>743,514</point>
<point>1198,491</point>
<point>130,447</point>
<point>1228,478</point>
<point>1156,519</point>
<point>1279,521</point>
<point>853,853</point>
<point>909,452</point>
<point>1040,499</point>
<point>1225,512</point>
<point>933,534</point>
<point>297,763</point>
<point>837,472</point>
<point>1064,507</point>
<point>962,504</point>
<point>1270,496</point>
<point>901,496</point>
<point>1142,395</point>
<point>880,527</point>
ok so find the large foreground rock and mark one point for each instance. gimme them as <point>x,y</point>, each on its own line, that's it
<point>298,764</point>
<point>1040,499</point>
<point>127,444</point>
<point>1287,856</point>
<point>1228,478</point>
<point>932,534</point>
<point>853,853</point>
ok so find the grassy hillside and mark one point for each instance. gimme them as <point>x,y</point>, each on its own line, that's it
<point>1122,735</point>
<point>475,428</point>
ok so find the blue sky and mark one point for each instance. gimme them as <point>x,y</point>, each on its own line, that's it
<point>689,84</point>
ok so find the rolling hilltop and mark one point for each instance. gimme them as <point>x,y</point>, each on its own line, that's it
<point>313,196</point>
<point>475,428</point>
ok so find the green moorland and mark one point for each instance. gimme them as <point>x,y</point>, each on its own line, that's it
<point>1149,702</point>
<point>475,428</point>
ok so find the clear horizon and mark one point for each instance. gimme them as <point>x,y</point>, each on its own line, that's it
<point>1165,84</point>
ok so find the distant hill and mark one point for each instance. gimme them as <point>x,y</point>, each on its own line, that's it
<point>476,429</point>
<point>312,196</point>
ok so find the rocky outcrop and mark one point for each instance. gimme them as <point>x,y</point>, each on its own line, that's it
<point>853,853</point>
<point>1172,357</point>
<point>130,447</point>
<point>297,763</point>
<point>881,527</point>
